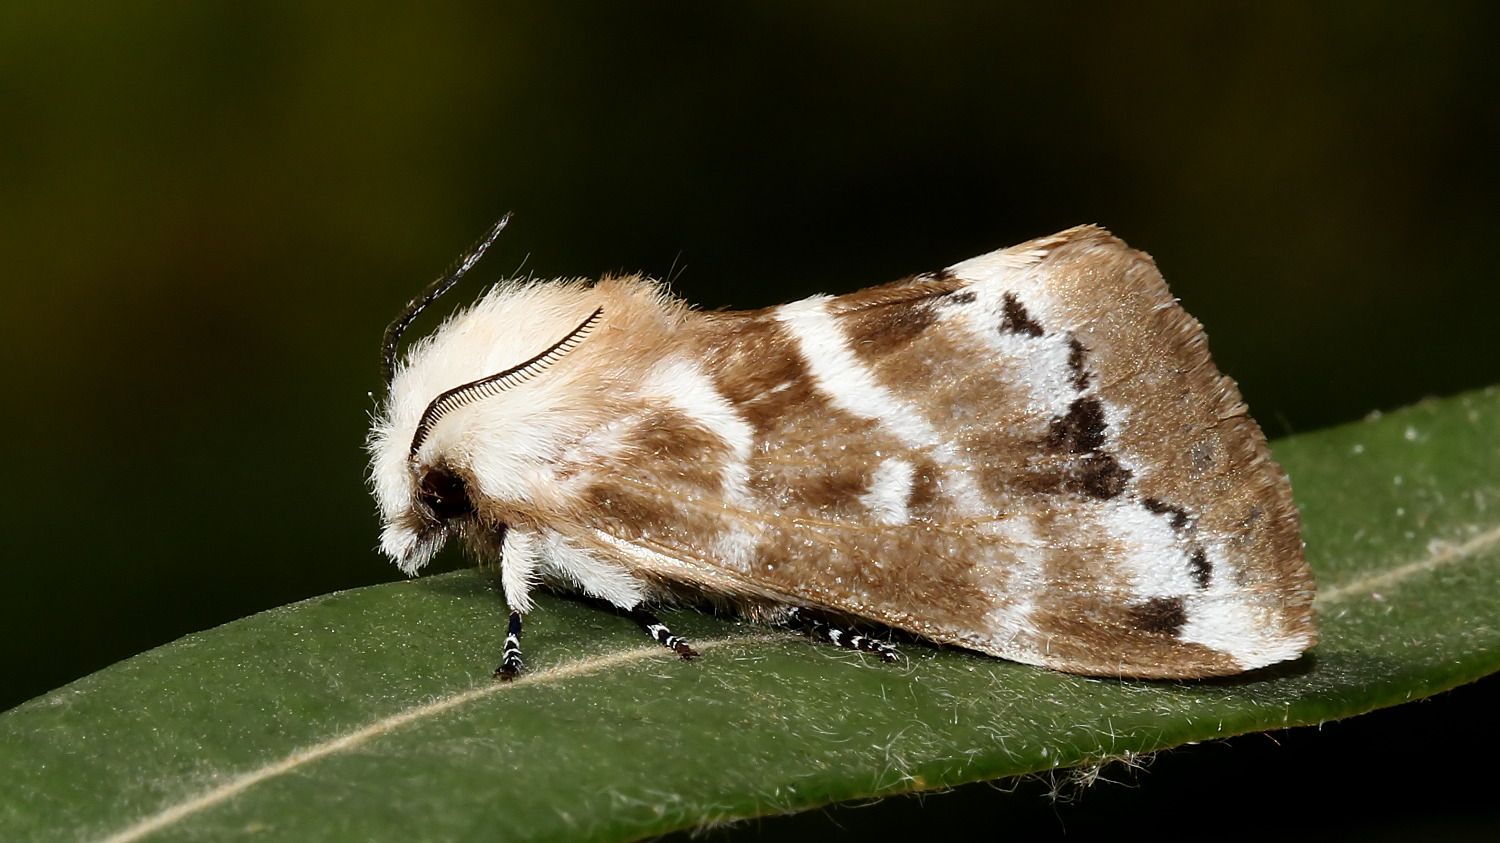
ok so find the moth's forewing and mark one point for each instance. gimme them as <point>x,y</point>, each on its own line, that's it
<point>1030,454</point>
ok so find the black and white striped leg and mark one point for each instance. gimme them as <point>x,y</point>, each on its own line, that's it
<point>817,627</point>
<point>510,660</point>
<point>658,630</point>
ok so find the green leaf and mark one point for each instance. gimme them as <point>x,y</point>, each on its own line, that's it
<point>370,714</point>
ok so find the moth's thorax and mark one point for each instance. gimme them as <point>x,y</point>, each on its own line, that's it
<point>506,448</point>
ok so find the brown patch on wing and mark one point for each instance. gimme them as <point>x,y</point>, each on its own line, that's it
<point>913,288</point>
<point>883,320</point>
<point>757,368</point>
<point>1115,643</point>
<point>878,331</point>
<point>682,459</point>
<point>692,454</point>
<point>830,489</point>
<point>1159,615</point>
<point>925,502</point>
<point>630,512</point>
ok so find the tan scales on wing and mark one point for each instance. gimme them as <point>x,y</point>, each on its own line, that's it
<point>1027,569</point>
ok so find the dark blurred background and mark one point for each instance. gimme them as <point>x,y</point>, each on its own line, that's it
<point>208,213</point>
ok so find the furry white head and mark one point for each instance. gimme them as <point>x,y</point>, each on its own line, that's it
<point>420,492</point>
<point>495,456</point>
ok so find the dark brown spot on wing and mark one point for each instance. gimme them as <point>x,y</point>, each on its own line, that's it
<point>1099,476</point>
<point>1081,430</point>
<point>1016,319</point>
<point>1076,356</point>
<point>965,297</point>
<point>1160,615</point>
<point>1177,516</point>
<point>1201,569</point>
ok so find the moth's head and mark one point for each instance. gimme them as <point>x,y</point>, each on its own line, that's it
<point>478,415</point>
<point>477,412</point>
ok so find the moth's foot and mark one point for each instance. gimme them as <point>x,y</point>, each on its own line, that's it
<point>663,636</point>
<point>508,671</point>
<point>510,659</point>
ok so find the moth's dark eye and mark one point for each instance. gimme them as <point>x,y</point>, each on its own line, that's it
<point>445,493</point>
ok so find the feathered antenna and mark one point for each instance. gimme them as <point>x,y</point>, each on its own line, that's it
<point>442,285</point>
<point>497,383</point>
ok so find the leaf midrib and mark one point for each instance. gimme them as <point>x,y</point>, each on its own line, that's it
<point>390,723</point>
<point>1447,553</point>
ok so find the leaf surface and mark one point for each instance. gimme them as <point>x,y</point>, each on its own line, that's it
<point>370,714</point>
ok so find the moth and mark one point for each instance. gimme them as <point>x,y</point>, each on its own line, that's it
<point>1029,454</point>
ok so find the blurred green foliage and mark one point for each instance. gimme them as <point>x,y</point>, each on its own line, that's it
<point>209,212</point>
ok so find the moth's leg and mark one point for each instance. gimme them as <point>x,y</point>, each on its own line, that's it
<point>518,558</point>
<point>510,660</point>
<point>818,627</point>
<point>593,576</point>
<point>612,583</point>
<point>658,630</point>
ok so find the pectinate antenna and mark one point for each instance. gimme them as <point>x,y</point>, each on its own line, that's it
<point>443,284</point>
<point>461,396</point>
